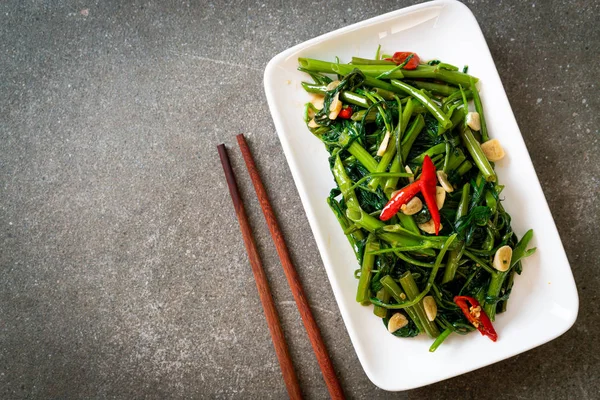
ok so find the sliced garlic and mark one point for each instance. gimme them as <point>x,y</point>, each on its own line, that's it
<point>474,121</point>
<point>397,321</point>
<point>317,101</point>
<point>332,85</point>
<point>440,197</point>
<point>384,144</point>
<point>335,107</point>
<point>430,307</point>
<point>313,124</point>
<point>429,227</point>
<point>412,207</point>
<point>502,258</point>
<point>443,179</point>
<point>407,169</point>
<point>493,150</point>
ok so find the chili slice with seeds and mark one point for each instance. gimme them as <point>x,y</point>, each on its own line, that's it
<point>476,316</point>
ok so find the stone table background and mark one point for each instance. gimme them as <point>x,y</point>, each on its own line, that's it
<point>122,270</point>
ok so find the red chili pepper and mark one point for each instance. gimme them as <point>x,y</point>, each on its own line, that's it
<point>428,183</point>
<point>425,184</point>
<point>476,316</point>
<point>346,113</point>
<point>400,198</point>
<point>400,56</point>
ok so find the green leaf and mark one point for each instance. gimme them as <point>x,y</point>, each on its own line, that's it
<point>520,251</point>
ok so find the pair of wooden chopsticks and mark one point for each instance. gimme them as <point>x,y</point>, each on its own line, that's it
<point>283,355</point>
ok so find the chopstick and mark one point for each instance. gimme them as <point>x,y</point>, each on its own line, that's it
<point>281,349</point>
<point>312,329</point>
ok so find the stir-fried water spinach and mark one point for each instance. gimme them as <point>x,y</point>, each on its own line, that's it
<point>417,195</point>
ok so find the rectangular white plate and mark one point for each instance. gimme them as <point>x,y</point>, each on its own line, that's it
<point>544,301</point>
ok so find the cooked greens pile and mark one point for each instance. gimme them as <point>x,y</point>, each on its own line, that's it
<point>402,140</point>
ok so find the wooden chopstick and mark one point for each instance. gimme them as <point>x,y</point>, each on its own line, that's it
<point>312,329</point>
<point>281,349</point>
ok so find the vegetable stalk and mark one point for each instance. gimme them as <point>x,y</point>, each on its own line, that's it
<point>364,283</point>
<point>384,296</point>
<point>456,254</point>
<point>425,100</point>
<point>479,108</point>
<point>477,153</point>
<point>345,96</point>
<point>412,291</point>
<point>392,287</point>
<point>372,70</point>
<point>361,154</point>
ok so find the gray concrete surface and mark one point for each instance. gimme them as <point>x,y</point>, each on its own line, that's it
<point>122,271</point>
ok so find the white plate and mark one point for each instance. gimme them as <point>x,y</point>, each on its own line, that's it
<point>544,301</point>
